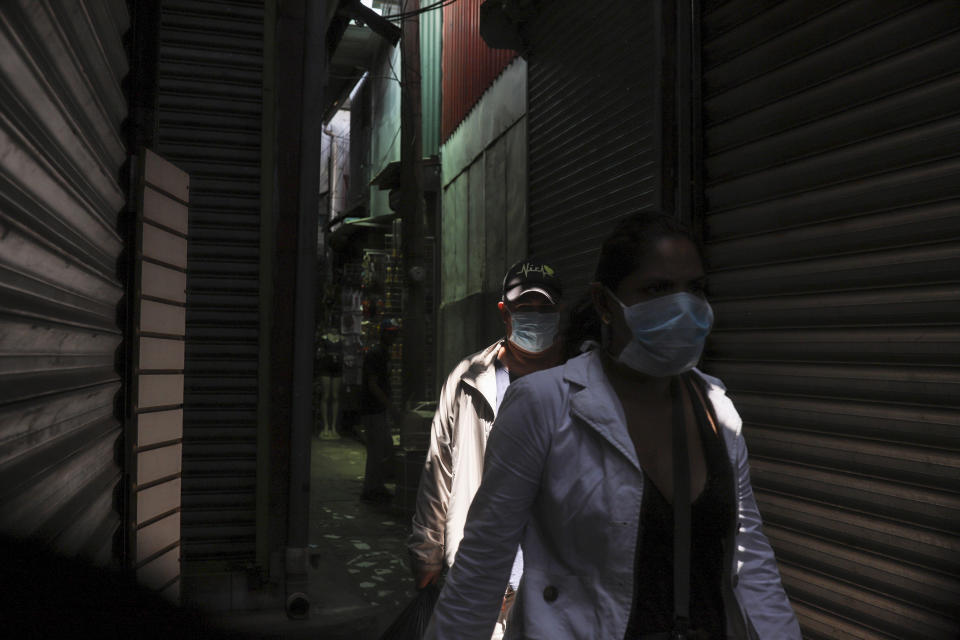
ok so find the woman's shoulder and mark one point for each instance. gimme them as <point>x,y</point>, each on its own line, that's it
<point>556,380</point>
<point>723,406</point>
<point>543,383</point>
<point>711,381</point>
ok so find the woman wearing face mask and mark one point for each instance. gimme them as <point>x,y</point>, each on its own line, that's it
<point>625,476</point>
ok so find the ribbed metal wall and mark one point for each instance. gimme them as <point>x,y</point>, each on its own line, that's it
<point>469,65</point>
<point>431,40</point>
<point>591,79</point>
<point>832,140</point>
<point>210,105</point>
<point>61,150</point>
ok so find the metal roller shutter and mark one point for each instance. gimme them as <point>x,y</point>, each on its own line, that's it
<point>832,226</point>
<point>210,107</point>
<point>591,78</point>
<point>61,152</point>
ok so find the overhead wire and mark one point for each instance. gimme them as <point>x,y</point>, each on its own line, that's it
<point>430,7</point>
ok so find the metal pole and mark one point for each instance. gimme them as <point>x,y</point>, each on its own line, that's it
<point>411,207</point>
<point>301,427</point>
<point>267,249</point>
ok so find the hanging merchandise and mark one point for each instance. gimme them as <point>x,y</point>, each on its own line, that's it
<point>352,312</point>
<point>351,323</point>
<point>352,360</point>
<point>393,307</point>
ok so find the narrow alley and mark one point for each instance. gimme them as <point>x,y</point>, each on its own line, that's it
<point>358,548</point>
<point>230,227</point>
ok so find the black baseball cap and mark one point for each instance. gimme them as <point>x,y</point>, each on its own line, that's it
<point>529,275</point>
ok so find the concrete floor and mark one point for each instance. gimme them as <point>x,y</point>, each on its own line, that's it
<point>360,578</point>
<point>360,546</point>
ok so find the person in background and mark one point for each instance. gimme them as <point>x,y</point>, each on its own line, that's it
<point>377,408</point>
<point>328,367</point>
<point>592,464</point>
<point>530,308</point>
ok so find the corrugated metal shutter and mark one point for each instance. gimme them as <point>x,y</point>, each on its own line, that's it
<point>832,168</point>
<point>210,106</point>
<point>591,79</point>
<point>61,151</point>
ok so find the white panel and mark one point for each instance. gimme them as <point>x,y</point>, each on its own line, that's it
<point>163,282</point>
<point>160,571</point>
<point>164,211</point>
<point>166,177</point>
<point>157,500</point>
<point>157,535</point>
<point>164,246</point>
<point>158,353</point>
<point>159,390</point>
<point>159,426</point>
<point>156,317</point>
<point>155,464</point>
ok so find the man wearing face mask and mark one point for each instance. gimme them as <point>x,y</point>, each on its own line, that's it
<point>468,404</point>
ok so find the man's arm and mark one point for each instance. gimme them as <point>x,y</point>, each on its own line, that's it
<point>426,541</point>
<point>516,454</point>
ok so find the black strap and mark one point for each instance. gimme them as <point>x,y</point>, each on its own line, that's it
<point>681,517</point>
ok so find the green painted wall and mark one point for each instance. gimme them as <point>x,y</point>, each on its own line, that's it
<point>385,112</point>
<point>483,228</point>
<point>431,40</point>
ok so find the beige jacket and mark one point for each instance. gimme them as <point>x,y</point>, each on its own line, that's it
<point>454,465</point>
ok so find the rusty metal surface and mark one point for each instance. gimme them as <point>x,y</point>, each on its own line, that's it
<point>469,65</point>
<point>833,243</point>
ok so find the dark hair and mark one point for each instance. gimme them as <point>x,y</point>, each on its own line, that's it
<point>633,237</point>
<point>621,253</point>
<point>583,324</point>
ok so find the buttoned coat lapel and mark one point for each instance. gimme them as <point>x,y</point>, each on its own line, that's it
<point>594,402</point>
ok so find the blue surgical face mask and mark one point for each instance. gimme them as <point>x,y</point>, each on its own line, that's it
<point>669,333</point>
<point>534,332</point>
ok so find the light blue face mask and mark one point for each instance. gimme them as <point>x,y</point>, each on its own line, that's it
<point>669,333</point>
<point>534,332</point>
